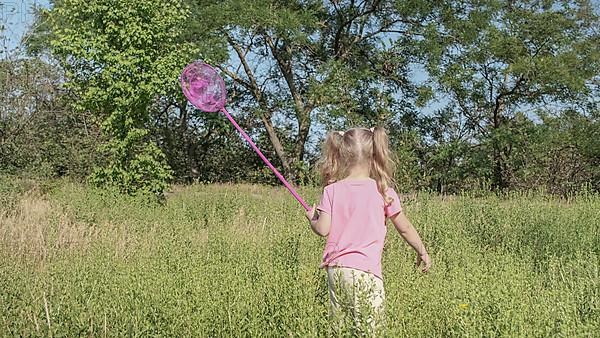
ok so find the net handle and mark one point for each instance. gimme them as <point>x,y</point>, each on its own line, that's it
<point>260,154</point>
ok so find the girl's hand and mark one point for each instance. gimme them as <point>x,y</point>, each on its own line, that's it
<point>423,258</point>
<point>320,223</point>
<point>311,214</point>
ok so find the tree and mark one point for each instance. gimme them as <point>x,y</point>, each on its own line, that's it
<point>494,58</point>
<point>120,58</point>
<point>564,156</point>
<point>295,69</point>
<point>300,64</point>
<point>38,135</point>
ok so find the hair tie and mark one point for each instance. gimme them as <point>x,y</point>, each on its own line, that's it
<point>341,133</point>
<point>372,129</point>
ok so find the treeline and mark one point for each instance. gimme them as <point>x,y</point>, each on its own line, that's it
<point>487,95</point>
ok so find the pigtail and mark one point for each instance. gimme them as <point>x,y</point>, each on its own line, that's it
<point>329,165</point>
<point>382,167</point>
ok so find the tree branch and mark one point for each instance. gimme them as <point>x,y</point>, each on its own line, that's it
<point>253,83</point>
<point>301,108</point>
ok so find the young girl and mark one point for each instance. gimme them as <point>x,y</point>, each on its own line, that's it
<point>357,199</point>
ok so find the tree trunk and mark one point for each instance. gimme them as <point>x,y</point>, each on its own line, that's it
<point>283,55</point>
<point>252,85</point>
<point>190,163</point>
<point>303,131</point>
<point>287,171</point>
<point>498,182</point>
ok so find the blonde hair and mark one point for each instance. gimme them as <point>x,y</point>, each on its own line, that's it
<point>342,151</point>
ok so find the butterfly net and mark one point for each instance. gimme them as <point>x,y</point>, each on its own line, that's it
<point>203,87</point>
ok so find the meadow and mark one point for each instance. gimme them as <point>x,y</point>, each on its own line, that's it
<point>241,261</point>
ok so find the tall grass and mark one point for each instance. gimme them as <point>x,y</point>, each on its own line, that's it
<point>241,261</point>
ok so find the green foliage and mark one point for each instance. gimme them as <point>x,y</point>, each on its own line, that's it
<point>514,86</point>
<point>563,154</point>
<point>497,58</point>
<point>300,65</point>
<point>408,173</point>
<point>211,262</point>
<point>120,57</point>
<point>558,154</point>
<point>145,169</point>
<point>39,135</point>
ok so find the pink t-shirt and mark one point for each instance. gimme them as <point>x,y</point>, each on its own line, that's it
<point>358,213</point>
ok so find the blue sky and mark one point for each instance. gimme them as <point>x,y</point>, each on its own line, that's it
<point>16,16</point>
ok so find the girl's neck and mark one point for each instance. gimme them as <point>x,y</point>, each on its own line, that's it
<point>358,173</point>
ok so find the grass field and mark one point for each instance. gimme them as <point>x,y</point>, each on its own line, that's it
<point>240,261</point>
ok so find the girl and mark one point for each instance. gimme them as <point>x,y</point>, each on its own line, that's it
<point>356,169</point>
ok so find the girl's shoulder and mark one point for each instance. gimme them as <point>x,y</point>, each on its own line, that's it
<point>391,190</point>
<point>330,185</point>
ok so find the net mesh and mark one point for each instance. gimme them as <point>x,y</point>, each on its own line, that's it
<point>203,86</point>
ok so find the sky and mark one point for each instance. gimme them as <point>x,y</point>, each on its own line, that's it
<point>16,16</point>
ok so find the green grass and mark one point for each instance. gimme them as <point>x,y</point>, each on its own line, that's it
<point>225,261</point>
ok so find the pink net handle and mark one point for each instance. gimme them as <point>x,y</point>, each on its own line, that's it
<point>205,89</point>
<point>266,161</point>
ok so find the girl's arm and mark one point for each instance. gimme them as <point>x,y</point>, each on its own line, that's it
<point>320,222</point>
<point>410,235</point>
